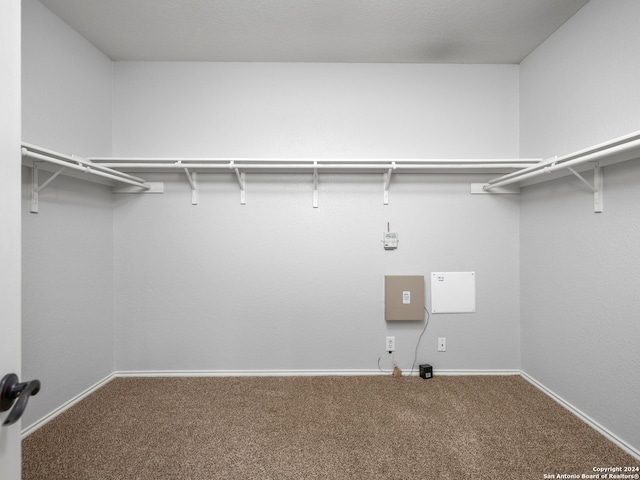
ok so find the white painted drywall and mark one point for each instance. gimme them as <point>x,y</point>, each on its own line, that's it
<point>10,361</point>
<point>67,255</point>
<point>315,110</point>
<point>580,270</point>
<point>580,87</point>
<point>276,284</point>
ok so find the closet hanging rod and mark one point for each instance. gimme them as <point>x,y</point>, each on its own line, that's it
<point>81,164</point>
<point>85,169</point>
<point>585,151</point>
<point>76,159</point>
<point>310,161</point>
<point>597,152</point>
<point>628,144</point>
<point>219,164</point>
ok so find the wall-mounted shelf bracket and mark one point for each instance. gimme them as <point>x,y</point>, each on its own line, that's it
<point>315,184</point>
<point>241,181</point>
<point>596,188</point>
<point>193,183</point>
<point>598,182</point>
<point>387,182</point>
<point>36,189</point>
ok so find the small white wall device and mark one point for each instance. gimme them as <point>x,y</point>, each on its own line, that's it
<point>390,240</point>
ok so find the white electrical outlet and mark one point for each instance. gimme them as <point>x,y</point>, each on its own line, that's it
<point>442,344</point>
<point>390,344</point>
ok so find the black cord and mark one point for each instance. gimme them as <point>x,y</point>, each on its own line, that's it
<point>415,358</point>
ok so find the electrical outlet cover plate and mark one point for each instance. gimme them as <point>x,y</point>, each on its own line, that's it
<point>390,344</point>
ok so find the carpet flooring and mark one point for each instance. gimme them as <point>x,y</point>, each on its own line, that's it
<point>379,427</point>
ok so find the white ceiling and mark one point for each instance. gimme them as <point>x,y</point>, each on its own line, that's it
<point>405,31</point>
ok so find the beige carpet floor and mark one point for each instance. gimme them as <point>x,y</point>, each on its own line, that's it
<point>488,427</point>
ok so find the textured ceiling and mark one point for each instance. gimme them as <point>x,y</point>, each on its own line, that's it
<point>406,31</point>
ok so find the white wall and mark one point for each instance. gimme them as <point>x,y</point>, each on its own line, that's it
<point>10,218</point>
<point>579,88</point>
<point>580,270</point>
<point>67,256</point>
<point>276,284</point>
<point>315,110</point>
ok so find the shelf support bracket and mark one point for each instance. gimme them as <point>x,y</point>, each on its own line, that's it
<point>193,183</point>
<point>36,189</point>
<point>242,182</point>
<point>387,182</point>
<point>315,184</point>
<point>596,188</point>
<point>598,183</point>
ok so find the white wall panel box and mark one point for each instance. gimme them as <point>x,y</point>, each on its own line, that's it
<point>404,297</point>
<point>453,292</point>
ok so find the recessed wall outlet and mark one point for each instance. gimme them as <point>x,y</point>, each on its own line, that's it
<point>390,344</point>
<point>442,344</point>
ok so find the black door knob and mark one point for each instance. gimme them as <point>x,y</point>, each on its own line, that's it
<point>10,389</point>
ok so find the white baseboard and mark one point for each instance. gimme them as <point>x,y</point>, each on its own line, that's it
<point>475,372</point>
<point>583,416</point>
<point>245,373</point>
<point>298,373</point>
<point>65,406</point>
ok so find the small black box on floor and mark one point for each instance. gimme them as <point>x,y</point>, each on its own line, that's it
<point>426,371</point>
